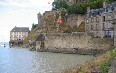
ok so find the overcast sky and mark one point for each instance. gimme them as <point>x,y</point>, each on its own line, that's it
<point>20,13</point>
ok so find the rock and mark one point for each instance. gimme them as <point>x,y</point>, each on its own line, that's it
<point>74,71</point>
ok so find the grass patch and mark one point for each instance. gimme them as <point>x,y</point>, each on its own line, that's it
<point>105,67</point>
<point>113,53</point>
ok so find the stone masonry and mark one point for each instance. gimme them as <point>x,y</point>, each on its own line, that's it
<point>73,43</point>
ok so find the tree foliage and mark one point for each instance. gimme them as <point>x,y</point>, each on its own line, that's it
<point>79,8</point>
<point>33,26</point>
<point>60,4</point>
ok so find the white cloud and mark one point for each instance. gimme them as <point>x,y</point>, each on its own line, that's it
<point>26,3</point>
<point>20,13</point>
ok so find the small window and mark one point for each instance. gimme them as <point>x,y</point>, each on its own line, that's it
<point>106,10</point>
<point>92,20</point>
<point>103,18</point>
<point>87,21</point>
<point>91,27</point>
<point>92,13</point>
<point>112,8</point>
<point>97,27</point>
<point>97,19</point>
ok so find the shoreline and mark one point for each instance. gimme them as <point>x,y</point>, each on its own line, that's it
<point>101,64</point>
<point>73,51</point>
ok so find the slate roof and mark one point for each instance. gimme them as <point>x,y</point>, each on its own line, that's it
<point>20,29</point>
<point>94,12</point>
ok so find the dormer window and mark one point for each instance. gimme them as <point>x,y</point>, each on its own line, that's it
<point>87,14</point>
<point>92,13</point>
<point>106,10</point>
<point>112,8</point>
<point>91,27</point>
<point>103,18</point>
<point>98,13</point>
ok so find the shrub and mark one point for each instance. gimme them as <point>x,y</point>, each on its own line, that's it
<point>105,67</point>
<point>113,53</point>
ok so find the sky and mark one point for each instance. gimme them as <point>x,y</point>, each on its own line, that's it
<point>20,13</point>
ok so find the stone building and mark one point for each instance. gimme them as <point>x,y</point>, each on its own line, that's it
<point>18,34</point>
<point>100,22</point>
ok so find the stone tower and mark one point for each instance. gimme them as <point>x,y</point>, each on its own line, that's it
<point>39,17</point>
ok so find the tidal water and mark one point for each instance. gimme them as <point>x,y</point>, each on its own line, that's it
<point>21,60</point>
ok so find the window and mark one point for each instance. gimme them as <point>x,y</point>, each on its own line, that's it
<point>97,27</point>
<point>92,20</point>
<point>97,19</point>
<point>112,8</point>
<point>103,26</point>
<point>103,18</point>
<point>109,25</point>
<point>106,10</point>
<point>91,27</point>
<point>93,13</point>
<point>87,28</point>
<point>87,21</point>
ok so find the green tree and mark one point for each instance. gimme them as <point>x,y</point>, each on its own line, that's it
<point>79,8</point>
<point>60,4</point>
<point>33,26</point>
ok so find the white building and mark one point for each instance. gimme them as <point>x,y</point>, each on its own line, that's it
<point>19,33</point>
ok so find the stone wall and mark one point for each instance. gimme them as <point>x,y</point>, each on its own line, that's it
<point>75,20</point>
<point>115,35</point>
<point>74,43</point>
<point>47,13</point>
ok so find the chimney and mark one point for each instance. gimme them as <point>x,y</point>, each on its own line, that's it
<point>88,9</point>
<point>105,4</point>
